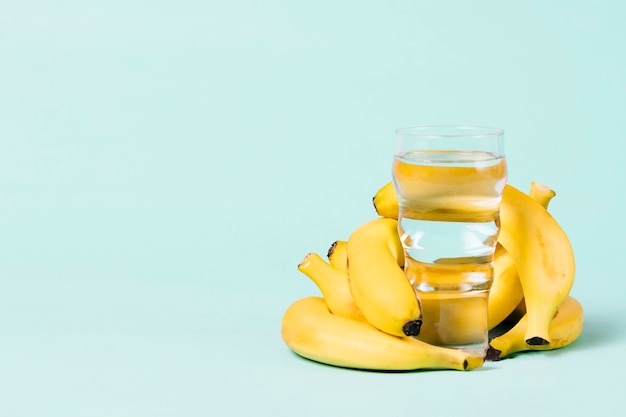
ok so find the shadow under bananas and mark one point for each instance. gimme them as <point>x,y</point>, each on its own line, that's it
<point>486,367</point>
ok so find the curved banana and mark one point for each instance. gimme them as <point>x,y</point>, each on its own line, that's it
<point>506,290</point>
<point>310,330</point>
<point>565,328</point>
<point>333,284</point>
<point>338,255</point>
<point>543,256</point>
<point>379,286</point>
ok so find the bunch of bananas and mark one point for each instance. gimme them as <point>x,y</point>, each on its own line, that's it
<point>368,313</point>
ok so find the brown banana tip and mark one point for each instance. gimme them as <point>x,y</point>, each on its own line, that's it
<point>493,354</point>
<point>465,365</point>
<point>374,203</point>
<point>537,341</point>
<point>331,249</point>
<point>306,257</point>
<point>412,328</point>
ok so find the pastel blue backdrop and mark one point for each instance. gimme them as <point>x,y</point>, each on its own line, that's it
<point>165,165</point>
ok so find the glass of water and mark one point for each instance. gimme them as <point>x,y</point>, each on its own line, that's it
<point>449,181</point>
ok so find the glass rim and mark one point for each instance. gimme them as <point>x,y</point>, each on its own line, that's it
<point>453,131</point>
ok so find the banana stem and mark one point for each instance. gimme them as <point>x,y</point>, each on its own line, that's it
<point>338,255</point>
<point>333,283</point>
<point>541,193</point>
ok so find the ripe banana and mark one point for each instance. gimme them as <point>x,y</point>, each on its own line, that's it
<point>543,256</point>
<point>506,290</point>
<point>378,285</point>
<point>333,284</point>
<point>338,255</point>
<point>565,328</point>
<point>313,332</point>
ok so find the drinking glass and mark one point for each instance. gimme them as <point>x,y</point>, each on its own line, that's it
<point>449,181</point>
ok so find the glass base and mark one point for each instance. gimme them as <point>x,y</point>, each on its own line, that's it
<point>478,349</point>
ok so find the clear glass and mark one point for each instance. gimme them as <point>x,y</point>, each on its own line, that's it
<point>449,181</point>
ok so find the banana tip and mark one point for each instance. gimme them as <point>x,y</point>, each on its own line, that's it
<point>493,354</point>
<point>331,249</point>
<point>412,327</point>
<point>473,362</point>
<point>304,260</point>
<point>374,204</point>
<point>537,341</point>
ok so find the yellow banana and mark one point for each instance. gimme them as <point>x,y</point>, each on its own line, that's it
<point>565,328</point>
<point>543,256</point>
<point>338,255</point>
<point>310,330</point>
<point>378,285</point>
<point>333,284</point>
<point>506,290</point>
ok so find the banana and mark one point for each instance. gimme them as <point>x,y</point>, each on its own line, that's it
<point>313,332</point>
<point>378,285</point>
<point>543,256</point>
<point>333,284</point>
<point>565,328</point>
<point>338,255</point>
<point>506,291</point>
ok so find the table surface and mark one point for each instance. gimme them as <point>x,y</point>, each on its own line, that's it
<point>164,167</point>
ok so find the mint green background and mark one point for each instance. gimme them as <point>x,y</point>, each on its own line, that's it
<point>164,166</point>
